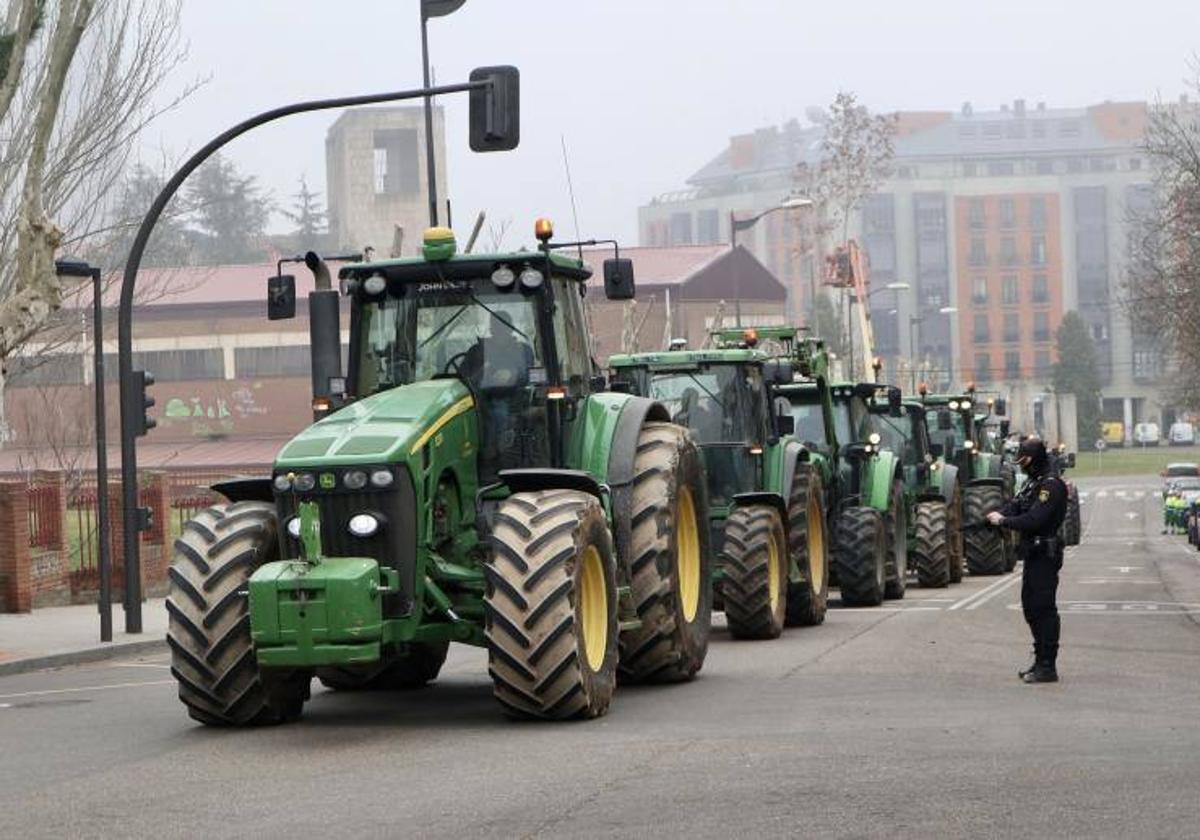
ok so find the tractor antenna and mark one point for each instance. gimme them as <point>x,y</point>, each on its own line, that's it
<point>571,191</point>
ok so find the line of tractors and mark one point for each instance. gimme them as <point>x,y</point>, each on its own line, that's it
<point>474,476</point>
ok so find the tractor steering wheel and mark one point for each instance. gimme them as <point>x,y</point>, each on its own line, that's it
<point>453,361</point>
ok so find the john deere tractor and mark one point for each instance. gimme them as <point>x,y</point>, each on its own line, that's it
<point>766,498</point>
<point>935,538</point>
<point>864,483</point>
<point>986,481</point>
<point>469,480</point>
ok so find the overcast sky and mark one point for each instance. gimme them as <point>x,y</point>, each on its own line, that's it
<point>647,91</point>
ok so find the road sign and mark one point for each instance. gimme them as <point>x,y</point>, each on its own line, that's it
<point>1101,445</point>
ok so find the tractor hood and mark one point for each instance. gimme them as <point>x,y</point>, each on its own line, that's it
<point>385,428</point>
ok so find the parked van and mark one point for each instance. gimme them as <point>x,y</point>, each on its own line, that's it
<point>1145,434</point>
<point>1181,434</point>
<point>1113,432</point>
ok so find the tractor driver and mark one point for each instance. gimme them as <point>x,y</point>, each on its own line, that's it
<point>501,366</point>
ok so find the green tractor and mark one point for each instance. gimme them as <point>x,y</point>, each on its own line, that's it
<point>986,480</point>
<point>864,483</point>
<point>469,480</point>
<point>766,499</point>
<point>932,493</point>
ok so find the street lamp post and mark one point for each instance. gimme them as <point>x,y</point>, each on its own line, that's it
<point>913,320</point>
<point>432,8</point>
<point>735,225</point>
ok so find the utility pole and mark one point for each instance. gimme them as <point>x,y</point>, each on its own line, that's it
<point>430,9</point>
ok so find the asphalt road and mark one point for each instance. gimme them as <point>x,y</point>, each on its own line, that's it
<point>901,721</point>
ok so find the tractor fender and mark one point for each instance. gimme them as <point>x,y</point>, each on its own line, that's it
<point>949,480</point>
<point>245,489</point>
<point>623,441</point>
<point>986,482</point>
<point>877,490</point>
<point>762,497</point>
<point>546,478</point>
<point>792,455</point>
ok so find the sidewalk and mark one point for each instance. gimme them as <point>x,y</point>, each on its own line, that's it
<point>56,636</point>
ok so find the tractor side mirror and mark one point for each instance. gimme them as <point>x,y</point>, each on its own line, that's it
<point>936,450</point>
<point>785,424</point>
<point>495,109</point>
<point>1071,459</point>
<point>618,279</point>
<point>281,297</point>
<point>1000,407</point>
<point>777,371</point>
<point>893,398</point>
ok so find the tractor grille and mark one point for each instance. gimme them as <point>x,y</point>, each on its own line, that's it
<point>394,545</point>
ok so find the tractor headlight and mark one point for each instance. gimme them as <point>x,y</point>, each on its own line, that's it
<point>968,444</point>
<point>503,277</point>
<point>363,525</point>
<point>954,405</point>
<point>531,278</point>
<point>382,478</point>
<point>354,480</point>
<point>964,405</point>
<point>293,527</point>
<point>283,482</point>
<point>304,482</point>
<point>375,284</point>
<point>874,438</point>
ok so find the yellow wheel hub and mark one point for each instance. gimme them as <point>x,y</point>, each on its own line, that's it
<point>687,550</point>
<point>774,573</point>
<point>816,545</point>
<point>592,608</point>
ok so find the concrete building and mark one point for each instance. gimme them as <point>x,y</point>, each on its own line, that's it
<point>376,175</point>
<point>1009,218</point>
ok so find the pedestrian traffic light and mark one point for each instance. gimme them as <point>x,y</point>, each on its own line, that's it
<point>140,402</point>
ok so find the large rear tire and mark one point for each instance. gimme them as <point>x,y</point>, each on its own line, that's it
<point>985,547</point>
<point>931,553</point>
<point>896,526</point>
<point>417,666</point>
<point>807,599</point>
<point>208,631</point>
<point>669,559</point>
<point>755,558</point>
<point>859,556</point>
<point>551,606</point>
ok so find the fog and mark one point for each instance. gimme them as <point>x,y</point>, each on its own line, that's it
<point>644,92</point>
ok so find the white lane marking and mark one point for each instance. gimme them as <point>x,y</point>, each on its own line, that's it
<point>1120,494</point>
<point>5,705</point>
<point>1122,581</point>
<point>1132,515</point>
<point>84,688</point>
<point>958,605</point>
<point>1101,494</point>
<point>1083,494</point>
<point>1099,607</point>
<point>1125,569</point>
<point>1013,579</point>
<point>1141,494</point>
<point>137,665</point>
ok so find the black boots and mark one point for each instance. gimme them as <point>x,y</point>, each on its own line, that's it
<point>1037,655</point>
<point>1042,672</point>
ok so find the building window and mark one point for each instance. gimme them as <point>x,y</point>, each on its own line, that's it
<point>1045,166</point>
<point>1008,251</point>
<point>983,367</point>
<point>979,290</point>
<point>397,167</point>
<point>1037,213</point>
<point>1145,364</point>
<point>1008,290</point>
<point>708,227</point>
<point>1001,167</point>
<point>1099,332</point>
<point>981,329</point>
<point>969,169</point>
<point>1041,326</point>
<point>1012,327</point>
<point>993,130</point>
<point>1037,250</point>
<point>681,228</point>
<point>978,252</point>
<point>1039,129</point>
<point>1075,165</point>
<point>1041,363</point>
<point>906,172</point>
<point>1012,365</point>
<point>255,362</point>
<point>1041,288</point>
<point>977,214</point>
<point>1008,213</point>
<point>1135,164</point>
<point>1069,129</point>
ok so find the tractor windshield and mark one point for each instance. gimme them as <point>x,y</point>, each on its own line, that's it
<point>898,434</point>
<point>810,420</point>
<point>719,403</point>
<point>470,329</point>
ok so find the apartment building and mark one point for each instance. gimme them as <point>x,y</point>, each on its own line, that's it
<point>997,221</point>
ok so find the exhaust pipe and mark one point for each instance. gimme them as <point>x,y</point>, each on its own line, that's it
<point>325,340</point>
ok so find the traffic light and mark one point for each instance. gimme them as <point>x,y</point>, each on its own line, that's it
<point>140,402</point>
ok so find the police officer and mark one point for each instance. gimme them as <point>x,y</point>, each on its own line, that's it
<point>1036,514</point>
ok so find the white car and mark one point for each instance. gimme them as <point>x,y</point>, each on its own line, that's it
<point>1145,434</point>
<point>1181,434</point>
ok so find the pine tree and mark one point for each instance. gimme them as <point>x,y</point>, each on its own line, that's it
<point>169,243</point>
<point>229,213</point>
<point>1077,372</point>
<point>309,217</point>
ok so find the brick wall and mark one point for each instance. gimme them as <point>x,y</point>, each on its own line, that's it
<point>16,585</point>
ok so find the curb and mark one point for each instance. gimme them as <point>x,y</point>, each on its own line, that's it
<point>79,657</point>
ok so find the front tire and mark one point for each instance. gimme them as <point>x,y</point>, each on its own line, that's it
<point>550,607</point>
<point>669,559</point>
<point>932,553</point>
<point>208,631</point>
<point>896,527</point>
<point>756,565</point>
<point>807,599</point>
<point>859,557</point>
<point>985,547</point>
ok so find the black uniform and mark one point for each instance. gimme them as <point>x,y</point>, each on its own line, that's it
<point>1036,514</point>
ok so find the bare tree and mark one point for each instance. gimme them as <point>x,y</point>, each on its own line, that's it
<point>76,91</point>
<point>1162,290</point>
<point>496,232</point>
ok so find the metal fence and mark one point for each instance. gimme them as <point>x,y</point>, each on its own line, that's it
<point>45,519</point>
